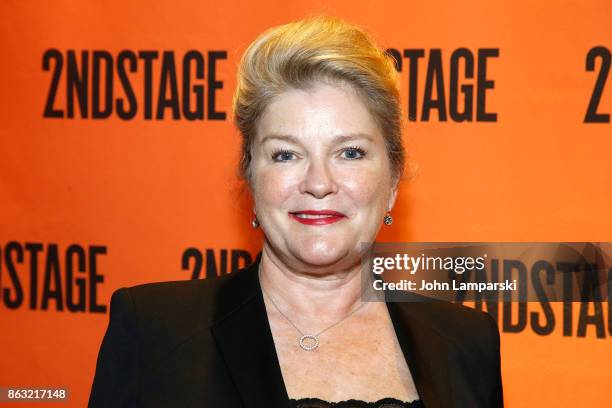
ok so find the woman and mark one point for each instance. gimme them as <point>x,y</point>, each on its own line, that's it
<point>317,105</point>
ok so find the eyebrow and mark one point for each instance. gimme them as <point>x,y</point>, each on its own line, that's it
<point>337,139</point>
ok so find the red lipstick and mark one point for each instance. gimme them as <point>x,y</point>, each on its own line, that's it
<point>312,217</point>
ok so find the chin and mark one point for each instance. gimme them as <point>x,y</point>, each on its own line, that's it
<point>320,254</point>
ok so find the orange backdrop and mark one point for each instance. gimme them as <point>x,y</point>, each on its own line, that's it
<point>104,185</point>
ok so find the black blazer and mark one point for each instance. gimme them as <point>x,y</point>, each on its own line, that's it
<point>207,343</point>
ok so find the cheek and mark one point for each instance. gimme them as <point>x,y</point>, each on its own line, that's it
<point>367,187</point>
<point>274,186</point>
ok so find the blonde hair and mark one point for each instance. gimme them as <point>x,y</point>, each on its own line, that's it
<point>319,48</point>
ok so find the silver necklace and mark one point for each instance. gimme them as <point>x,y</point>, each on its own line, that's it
<point>305,339</point>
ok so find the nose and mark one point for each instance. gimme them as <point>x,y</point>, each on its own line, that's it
<point>319,180</point>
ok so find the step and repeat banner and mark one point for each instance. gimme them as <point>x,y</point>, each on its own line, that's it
<point>119,162</point>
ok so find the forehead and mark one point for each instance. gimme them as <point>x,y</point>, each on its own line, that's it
<point>323,111</point>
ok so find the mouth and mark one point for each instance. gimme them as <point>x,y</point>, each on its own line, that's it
<point>312,217</point>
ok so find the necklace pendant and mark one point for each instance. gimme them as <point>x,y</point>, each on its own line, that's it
<point>309,342</point>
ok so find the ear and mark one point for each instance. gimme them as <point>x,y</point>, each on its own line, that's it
<point>393,195</point>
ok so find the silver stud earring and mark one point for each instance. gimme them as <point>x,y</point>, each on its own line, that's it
<point>388,218</point>
<point>255,223</point>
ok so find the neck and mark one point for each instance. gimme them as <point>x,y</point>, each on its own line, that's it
<point>310,297</point>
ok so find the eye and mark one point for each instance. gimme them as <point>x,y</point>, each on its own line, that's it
<point>282,155</point>
<point>353,153</point>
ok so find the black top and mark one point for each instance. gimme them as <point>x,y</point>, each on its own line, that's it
<point>382,403</point>
<point>208,343</point>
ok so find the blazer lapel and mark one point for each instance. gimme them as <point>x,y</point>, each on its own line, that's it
<point>426,353</point>
<point>242,334</point>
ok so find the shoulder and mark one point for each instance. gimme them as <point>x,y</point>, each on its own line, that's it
<point>169,299</point>
<point>163,314</point>
<point>468,329</point>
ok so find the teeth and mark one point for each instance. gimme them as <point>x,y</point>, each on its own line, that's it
<point>312,216</point>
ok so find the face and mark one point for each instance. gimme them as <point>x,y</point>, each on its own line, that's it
<point>321,177</point>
